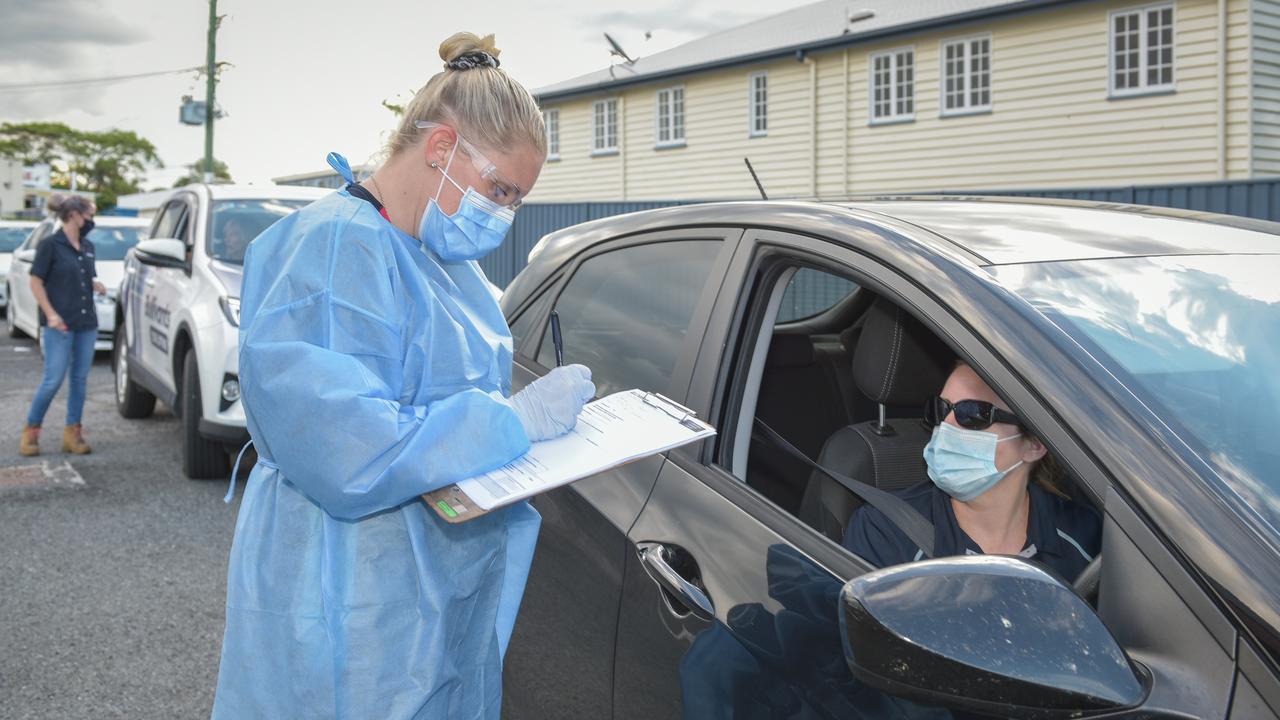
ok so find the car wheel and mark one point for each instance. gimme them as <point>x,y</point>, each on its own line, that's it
<point>9,322</point>
<point>131,400</point>
<point>202,458</point>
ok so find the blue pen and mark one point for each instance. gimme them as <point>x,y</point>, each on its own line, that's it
<point>556,339</point>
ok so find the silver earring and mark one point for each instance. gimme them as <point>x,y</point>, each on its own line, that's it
<point>435,164</point>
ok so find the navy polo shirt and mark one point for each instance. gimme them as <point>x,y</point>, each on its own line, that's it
<point>68,280</point>
<point>1061,534</point>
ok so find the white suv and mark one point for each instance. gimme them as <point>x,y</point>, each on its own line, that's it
<point>112,237</point>
<point>178,314</point>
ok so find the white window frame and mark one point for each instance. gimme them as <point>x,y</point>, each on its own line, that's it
<point>607,148</point>
<point>551,119</point>
<point>967,109</point>
<point>672,141</point>
<point>1143,48</point>
<point>753,128</point>
<point>893,117</point>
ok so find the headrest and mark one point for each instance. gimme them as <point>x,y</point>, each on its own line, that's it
<point>898,361</point>
<point>790,351</point>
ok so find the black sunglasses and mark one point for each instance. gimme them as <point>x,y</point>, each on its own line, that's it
<point>970,414</point>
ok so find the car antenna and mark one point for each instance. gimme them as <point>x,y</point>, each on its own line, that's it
<point>755,177</point>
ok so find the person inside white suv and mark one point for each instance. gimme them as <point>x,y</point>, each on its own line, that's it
<point>234,240</point>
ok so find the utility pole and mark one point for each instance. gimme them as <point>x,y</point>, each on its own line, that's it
<point>211,70</point>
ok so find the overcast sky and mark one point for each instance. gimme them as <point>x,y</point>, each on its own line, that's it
<point>307,76</point>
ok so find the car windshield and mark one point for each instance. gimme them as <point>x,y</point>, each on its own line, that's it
<point>111,243</point>
<point>1195,338</point>
<point>236,222</point>
<point>12,237</point>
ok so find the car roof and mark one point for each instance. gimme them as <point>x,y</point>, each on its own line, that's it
<point>253,192</point>
<point>1002,231</point>
<point>987,230</point>
<point>18,223</point>
<point>120,221</point>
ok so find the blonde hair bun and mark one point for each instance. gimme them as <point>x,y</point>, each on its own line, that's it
<point>464,43</point>
<point>475,96</point>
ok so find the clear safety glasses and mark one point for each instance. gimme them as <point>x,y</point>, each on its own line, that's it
<point>503,192</point>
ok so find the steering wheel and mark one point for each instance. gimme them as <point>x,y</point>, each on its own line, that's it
<point>1086,586</point>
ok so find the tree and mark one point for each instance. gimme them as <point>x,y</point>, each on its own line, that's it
<point>109,163</point>
<point>35,143</point>
<point>195,173</point>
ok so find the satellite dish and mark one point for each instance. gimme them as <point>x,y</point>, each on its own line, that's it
<point>617,50</point>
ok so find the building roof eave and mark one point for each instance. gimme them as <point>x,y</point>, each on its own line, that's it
<point>802,49</point>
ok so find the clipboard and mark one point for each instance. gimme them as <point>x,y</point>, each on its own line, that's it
<point>611,432</point>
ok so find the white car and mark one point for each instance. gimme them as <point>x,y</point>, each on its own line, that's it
<point>12,234</point>
<point>112,237</point>
<point>178,314</point>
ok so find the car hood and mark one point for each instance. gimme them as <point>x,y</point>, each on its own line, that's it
<point>110,273</point>
<point>6,259</point>
<point>229,275</point>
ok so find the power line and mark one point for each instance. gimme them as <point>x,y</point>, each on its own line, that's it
<point>53,85</point>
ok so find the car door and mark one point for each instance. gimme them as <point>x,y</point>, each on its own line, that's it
<point>730,604</point>
<point>20,280</point>
<point>25,308</point>
<point>651,295</point>
<point>160,289</point>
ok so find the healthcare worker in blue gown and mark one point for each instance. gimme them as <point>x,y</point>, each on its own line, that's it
<point>376,366</point>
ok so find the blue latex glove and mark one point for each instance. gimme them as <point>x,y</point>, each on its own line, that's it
<point>548,407</point>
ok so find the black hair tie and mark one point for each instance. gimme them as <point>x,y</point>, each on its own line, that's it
<point>473,59</point>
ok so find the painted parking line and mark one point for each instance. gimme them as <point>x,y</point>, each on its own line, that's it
<point>48,474</point>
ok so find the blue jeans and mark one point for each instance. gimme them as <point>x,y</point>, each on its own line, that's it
<point>72,348</point>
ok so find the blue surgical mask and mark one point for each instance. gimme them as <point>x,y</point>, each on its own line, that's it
<point>475,230</point>
<point>963,462</point>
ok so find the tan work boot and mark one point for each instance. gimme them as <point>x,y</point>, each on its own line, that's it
<point>30,444</point>
<point>73,441</point>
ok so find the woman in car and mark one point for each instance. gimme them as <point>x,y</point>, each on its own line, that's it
<point>63,283</point>
<point>993,489</point>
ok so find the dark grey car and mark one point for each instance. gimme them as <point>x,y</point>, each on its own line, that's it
<point>1142,346</point>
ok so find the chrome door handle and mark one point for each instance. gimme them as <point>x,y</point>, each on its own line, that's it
<point>694,600</point>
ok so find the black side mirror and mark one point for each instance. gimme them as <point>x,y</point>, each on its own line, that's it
<point>986,634</point>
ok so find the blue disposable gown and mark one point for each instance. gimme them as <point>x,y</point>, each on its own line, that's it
<point>372,372</point>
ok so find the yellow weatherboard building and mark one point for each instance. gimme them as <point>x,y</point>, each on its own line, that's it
<point>840,98</point>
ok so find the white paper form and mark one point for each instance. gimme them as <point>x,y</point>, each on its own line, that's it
<point>611,431</point>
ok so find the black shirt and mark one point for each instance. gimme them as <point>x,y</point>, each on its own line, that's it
<point>68,280</point>
<point>1061,534</point>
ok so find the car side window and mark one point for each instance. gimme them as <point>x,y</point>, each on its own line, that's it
<point>812,292</point>
<point>625,313</point>
<point>170,217</point>
<point>524,322</point>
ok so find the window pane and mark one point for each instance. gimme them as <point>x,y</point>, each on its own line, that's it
<point>523,325</point>
<point>626,314</point>
<point>905,88</point>
<point>677,114</point>
<point>880,80</point>
<point>811,292</point>
<point>759,103</point>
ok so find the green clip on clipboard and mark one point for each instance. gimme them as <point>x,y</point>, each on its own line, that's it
<point>611,431</point>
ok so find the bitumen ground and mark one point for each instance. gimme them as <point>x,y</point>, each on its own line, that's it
<point>112,570</point>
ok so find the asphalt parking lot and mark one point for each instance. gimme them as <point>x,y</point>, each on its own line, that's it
<point>111,588</point>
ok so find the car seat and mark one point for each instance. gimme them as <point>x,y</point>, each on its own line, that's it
<point>898,363</point>
<point>806,394</point>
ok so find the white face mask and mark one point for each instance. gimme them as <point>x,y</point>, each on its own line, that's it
<point>963,462</point>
